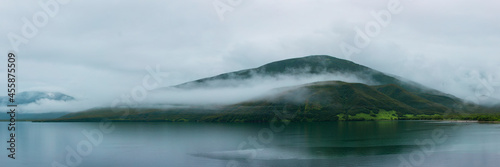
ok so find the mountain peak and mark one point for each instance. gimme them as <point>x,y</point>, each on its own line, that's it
<point>309,65</point>
<point>312,64</point>
<point>322,58</point>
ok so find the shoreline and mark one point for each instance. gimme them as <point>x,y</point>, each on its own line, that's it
<point>469,121</point>
<point>454,121</point>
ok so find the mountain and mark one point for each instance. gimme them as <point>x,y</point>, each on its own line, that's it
<point>388,97</point>
<point>33,96</point>
<point>318,65</point>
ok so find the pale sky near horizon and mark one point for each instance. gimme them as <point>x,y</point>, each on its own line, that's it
<point>98,50</point>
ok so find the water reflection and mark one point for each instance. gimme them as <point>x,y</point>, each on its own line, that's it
<point>368,143</point>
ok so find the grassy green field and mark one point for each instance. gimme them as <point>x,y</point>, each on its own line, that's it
<point>380,115</point>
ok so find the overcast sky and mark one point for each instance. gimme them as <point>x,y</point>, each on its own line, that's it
<point>98,50</point>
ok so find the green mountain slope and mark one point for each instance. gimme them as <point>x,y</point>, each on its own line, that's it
<point>420,103</point>
<point>325,101</point>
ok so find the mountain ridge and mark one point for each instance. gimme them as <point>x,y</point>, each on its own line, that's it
<point>28,97</point>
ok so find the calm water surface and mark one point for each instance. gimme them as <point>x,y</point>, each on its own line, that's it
<point>383,143</point>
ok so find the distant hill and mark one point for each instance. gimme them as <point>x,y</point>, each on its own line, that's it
<point>33,96</point>
<point>34,116</point>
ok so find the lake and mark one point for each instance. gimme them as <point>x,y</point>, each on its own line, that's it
<point>368,143</point>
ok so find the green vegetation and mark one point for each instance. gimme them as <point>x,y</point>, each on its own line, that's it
<point>474,116</point>
<point>199,116</point>
<point>380,115</point>
<point>421,117</point>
